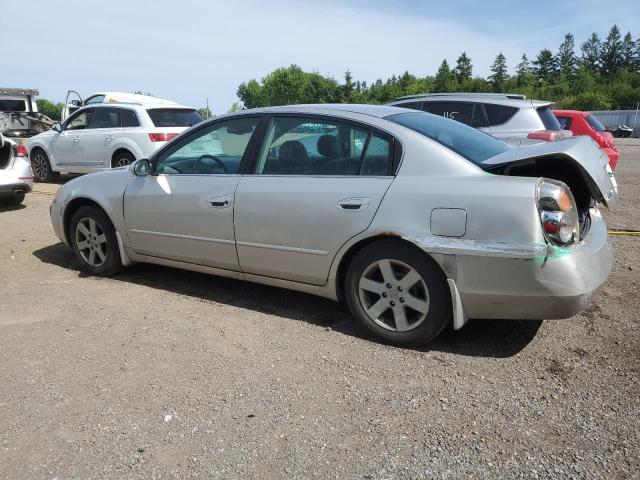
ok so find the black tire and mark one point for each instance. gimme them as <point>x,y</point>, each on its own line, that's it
<point>17,199</point>
<point>41,167</point>
<point>438,311</point>
<point>111,263</point>
<point>122,159</point>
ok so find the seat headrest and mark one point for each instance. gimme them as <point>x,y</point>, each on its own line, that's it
<point>328,146</point>
<point>292,153</point>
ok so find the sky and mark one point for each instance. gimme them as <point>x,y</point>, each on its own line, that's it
<point>190,51</point>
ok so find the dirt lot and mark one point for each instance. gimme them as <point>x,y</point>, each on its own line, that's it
<point>160,373</point>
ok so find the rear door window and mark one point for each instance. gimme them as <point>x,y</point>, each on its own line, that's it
<point>464,112</point>
<point>106,118</point>
<point>499,114</point>
<point>549,120</point>
<point>595,123</point>
<point>129,118</point>
<point>174,117</point>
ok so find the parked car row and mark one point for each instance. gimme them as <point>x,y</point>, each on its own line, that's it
<point>416,220</point>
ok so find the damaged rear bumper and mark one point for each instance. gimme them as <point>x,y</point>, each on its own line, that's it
<point>529,282</point>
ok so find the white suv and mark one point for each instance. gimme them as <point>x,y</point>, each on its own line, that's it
<point>511,118</point>
<point>103,136</point>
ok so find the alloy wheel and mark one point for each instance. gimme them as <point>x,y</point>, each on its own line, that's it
<point>40,167</point>
<point>123,162</point>
<point>394,295</point>
<point>91,242</point>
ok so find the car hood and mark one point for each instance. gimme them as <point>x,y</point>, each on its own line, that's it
<point>581,149</point>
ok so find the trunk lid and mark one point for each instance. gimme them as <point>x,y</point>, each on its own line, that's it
<point>582,150</point>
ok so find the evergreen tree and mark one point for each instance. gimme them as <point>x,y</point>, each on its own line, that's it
<point>463,68</point>
<point>591,53</point>
<point>442,80</point>
<point>566,58</point>
<point>348,89</point>
<point>544,66</point>
<point>611,53</point>
<point>498,75</point>
<point>523,67</point>
<point>630,53</point>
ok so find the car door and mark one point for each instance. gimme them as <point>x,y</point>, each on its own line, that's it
<point>316,183</point>
<point>68,147</point>
<point>184,210</point>
<point>102,132</point>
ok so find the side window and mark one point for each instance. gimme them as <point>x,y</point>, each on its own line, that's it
<point>499,114</point>
<point>411,105</point>
<point>216,149</point>
<point>310,146</point>
<point>94,99</point>
<point>80,120</point>
<point>105,118</point>
<point>129,118</point>
<point>460,111</point>
<point>565,122</point>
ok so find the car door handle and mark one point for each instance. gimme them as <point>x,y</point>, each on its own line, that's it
<point>358,203</point>
<point>109,138</point>
<point>222,201</point>
<point>76,140</point>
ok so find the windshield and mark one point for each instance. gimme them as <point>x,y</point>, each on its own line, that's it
<point>174,117</point>
<point>549,120</point>
<point>468,142</point>
<point>594,123</point>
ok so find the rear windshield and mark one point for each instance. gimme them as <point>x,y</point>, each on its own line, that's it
<point>174,117</point>
<point>13,105</point>
<point>595,123</point>
<point>549,120</point>
<point>466,141</point>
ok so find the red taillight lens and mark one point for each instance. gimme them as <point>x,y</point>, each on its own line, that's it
<point>21,151</point>
<point>162,136</point>
<point>549,135</point>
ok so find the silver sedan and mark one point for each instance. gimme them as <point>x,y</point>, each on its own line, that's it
<point>415,220</point>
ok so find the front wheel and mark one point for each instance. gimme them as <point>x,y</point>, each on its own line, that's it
<point>397,294</point>
<point>41,167</point>
<point>94,241</point>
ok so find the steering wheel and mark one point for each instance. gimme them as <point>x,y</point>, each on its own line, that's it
<point>202,158</point>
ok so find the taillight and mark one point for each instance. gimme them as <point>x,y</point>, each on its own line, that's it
<point>162,136</point>
<point>21,151</point>
<point>558,212</point>
<point>603,140</point>
<point>549,135</point>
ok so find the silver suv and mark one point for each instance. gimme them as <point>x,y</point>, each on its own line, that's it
<point>512,118</point>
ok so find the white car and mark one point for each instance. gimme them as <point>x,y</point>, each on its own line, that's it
<point>109,97</point>
<point>104,136</point>
<point>15,172</point>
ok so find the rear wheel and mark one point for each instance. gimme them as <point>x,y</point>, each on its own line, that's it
<point>122,159</point>
<point>94,241</point>
<point>397,294</point>
<point>41,167</point>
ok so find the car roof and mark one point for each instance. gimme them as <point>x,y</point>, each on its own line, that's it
<point>572,113</point>
<point>379,111</point>
<point>137,106</point>
<point>509,99</point>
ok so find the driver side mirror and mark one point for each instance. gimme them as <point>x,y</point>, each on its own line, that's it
<point>57,127</point>
<point>142,167</point>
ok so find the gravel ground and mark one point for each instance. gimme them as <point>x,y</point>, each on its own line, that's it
<point>160,373</point>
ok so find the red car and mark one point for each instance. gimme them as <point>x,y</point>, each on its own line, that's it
<point>583,123</point>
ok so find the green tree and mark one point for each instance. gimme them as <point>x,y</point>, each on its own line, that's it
<point>566,57</point>
<point>444,80</point>
<point>252,94</point>
<point>236,107</point>
<point>590,58</point>
<point>205,112</point>
<point>611,57</point>
<point>544,66</point>
<point>348,89</point>
<point>50,109</point>
<point>499,75</point>
<point>464,68</point>
<point>630,53</point>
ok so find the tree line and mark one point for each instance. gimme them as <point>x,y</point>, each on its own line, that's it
<point>604,74</point>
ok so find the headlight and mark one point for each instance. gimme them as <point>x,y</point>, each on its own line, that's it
<point>558,212</point>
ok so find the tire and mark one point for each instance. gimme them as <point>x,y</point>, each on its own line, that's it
<point>122,159</point>
<point>17,199</point>
<point>41,166</point>
<point>94,243</point>
<point>397,294</point>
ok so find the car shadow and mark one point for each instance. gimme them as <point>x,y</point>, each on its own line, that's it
<point>11,208</point>
<point>478,338</point>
